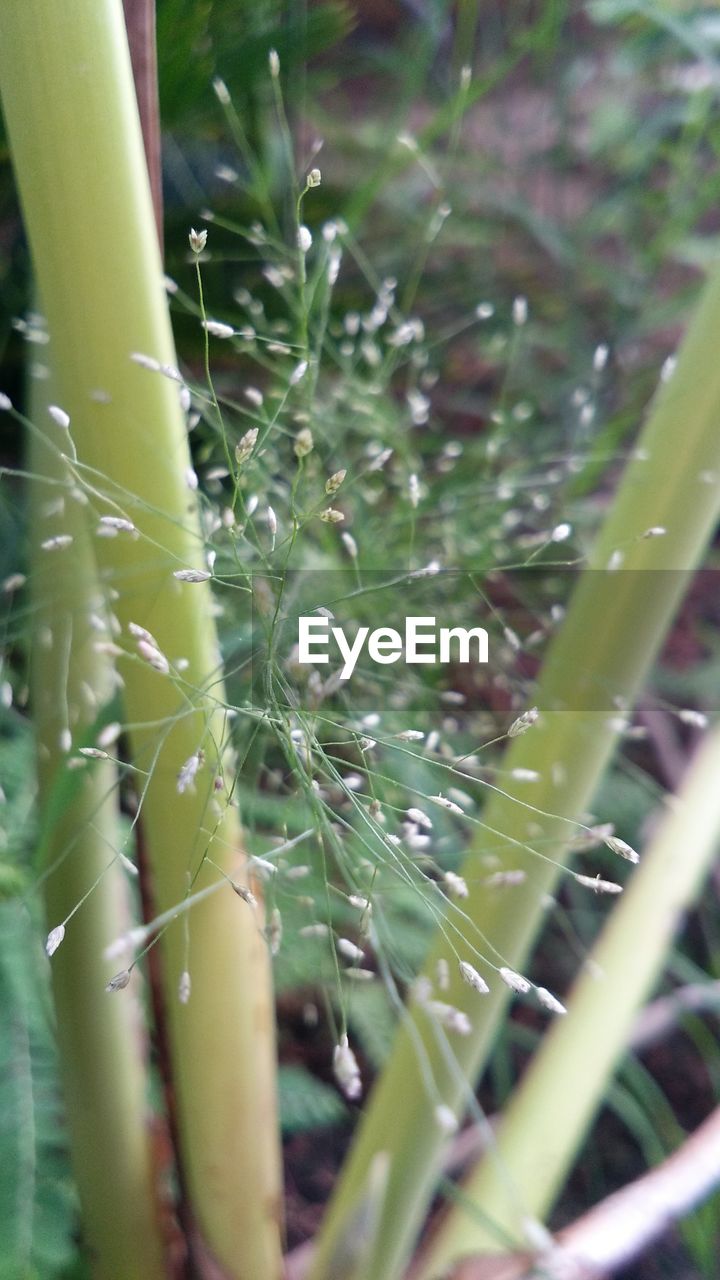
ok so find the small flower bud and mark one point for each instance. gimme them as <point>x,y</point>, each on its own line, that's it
<point>245,446</point>
<point>523,723</point>
<point>314,178</point>
<point>198,240</point>
<point>303,443</point>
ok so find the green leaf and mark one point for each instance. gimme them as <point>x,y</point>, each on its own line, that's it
<point>305,1102</point>
<point>38,1209</point>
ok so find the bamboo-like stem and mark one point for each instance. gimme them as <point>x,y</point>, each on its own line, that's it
<point>610,637</point>
<point>101,1042</point>
<point>77,148</point>
<point>549,1113</point>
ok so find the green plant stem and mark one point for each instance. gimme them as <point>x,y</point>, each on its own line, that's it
<point>74,133</point>
<point>610,637</point>
<point>550,1112</point>
<point>102,1050</point>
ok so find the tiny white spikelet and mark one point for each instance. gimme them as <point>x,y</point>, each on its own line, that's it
<point>655,531</point>
<point>191,479</point>
<point>304,239</point>
<point>119,981</point>
<point>54,939</point>
<point>346,1070</point>
<point>221,91</point>
<point>350,545</point>
<point>93,753</point>
<point>469,974</point>
<point>519,311</point>
<point>525,775</point>
<point>421,819</point>
<point>188,772</point>
<point>119,523</point>
<point>455,885</point>
<point>314,930</point>
<point>688,715</point>
<point>145,362</point>
<point>623,849</point>
<point>191,575</point>
<point>410,735</point>
<point>58,543</point>
<point>245,445</point>
<point>333,483</point>
<point>349,950</point>
<point>451,1018</point>
<point>445,803</point>
<point>275,931</point>
<point>303,443</point>
<point>600,357</point>
<point>314,178</point>
<point>561,532</point>
<point>331,516</point>
<point>523,723</point>
<point>198,240</point>
<point>549,1001</point>
<point>184,987</point>
<point>596,884</point>
<point>515,981</point>
<point>59,416</point>
<point>271,521</point>
<point>274,63</point>
<point>153,656</point>
<point>298,373</point>
<point>445,1119</point>
<point>218,329</point>
<point>5,402</point>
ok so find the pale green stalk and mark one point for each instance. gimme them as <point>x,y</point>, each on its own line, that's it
<point>610,637</point>
<point>72,122</point>
<point>552,1108</point>
<point>101,1041</point>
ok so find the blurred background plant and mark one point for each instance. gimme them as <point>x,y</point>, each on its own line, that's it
<point>517,206</point>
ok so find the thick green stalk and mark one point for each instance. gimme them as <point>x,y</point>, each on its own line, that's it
<point>77,148</point>
<point>102,1050</point>
<point>610,637</point>
<point>551,1110</point>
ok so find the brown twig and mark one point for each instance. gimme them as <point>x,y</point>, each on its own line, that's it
<point>140,23</point>
<point>621,1227</point>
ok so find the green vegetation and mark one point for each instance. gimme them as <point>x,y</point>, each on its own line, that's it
<point>433,341</point>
